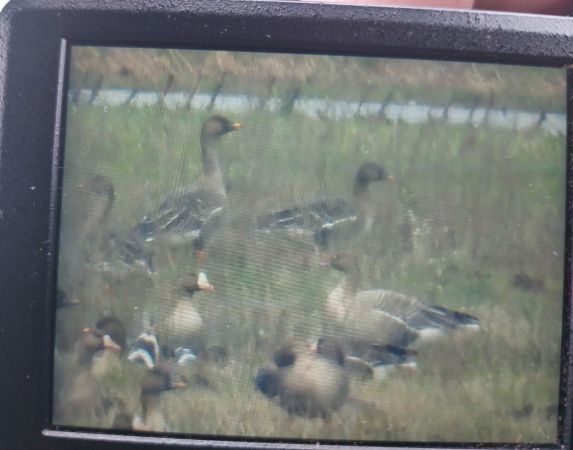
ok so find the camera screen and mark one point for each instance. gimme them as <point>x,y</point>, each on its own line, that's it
<point>317,247</point>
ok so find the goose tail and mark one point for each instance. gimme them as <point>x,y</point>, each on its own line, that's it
<point>456,318</point>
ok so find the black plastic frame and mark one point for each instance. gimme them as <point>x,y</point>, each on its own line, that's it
<point>34,44</point>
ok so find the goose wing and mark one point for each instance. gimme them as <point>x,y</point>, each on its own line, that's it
<point>318,219</point>
<point>189,213</point>
<point>364,325</point>
<point>416,314</point>
<point>313,215</point>
<point>397,305</point>
<point>439,317</point>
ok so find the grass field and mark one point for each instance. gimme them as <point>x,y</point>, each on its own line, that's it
<point>471,211</point>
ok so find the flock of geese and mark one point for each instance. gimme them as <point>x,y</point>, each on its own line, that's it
<point>378,330</point>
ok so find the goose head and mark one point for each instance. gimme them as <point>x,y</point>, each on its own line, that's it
<point>370,172</point>
<point>268,382</point>
<point>195,283</point>
<point>92,341</point>
<point>113,327</point>
<point>343,262</point>
<point>217,126</point>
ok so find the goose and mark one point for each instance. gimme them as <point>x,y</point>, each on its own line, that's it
<point>190,215</point>
<point>80,396</point>
<point>113,252</point>
<point>323,219</point>
<point>86,246</point>
<point>383,316</point>
<point>146,350</point>
<point>306,383</point>
<point>156,381</point>
<point>179,322</point>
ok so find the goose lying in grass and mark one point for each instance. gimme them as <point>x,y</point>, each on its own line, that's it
<point>306,383</point>
<point>190,215</point>
<point>324,220</point>
<point>380,315</point>
<point>179,323</point>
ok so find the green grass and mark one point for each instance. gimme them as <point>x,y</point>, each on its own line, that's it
<point>470,208</point>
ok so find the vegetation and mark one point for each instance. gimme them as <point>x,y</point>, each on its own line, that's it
<point>472,214</point>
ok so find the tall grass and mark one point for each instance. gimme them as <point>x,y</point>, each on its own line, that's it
<point>470,209</point>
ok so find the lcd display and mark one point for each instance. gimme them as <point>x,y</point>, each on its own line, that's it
<point>311,247</point>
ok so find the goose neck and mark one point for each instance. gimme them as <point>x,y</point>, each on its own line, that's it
<point>351,283</point>
<point>211,174</point>
<point>361,192</point>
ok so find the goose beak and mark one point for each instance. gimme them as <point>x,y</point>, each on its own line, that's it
<point>179,385</point>
<point>203,283</point>
<point>236,126</point>
<point>391,178</point>
<point>109,344</point>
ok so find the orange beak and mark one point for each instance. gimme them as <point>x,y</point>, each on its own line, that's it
<point>391,178</point>
<point>179,385</point>
<point>236,126</point>
<point>109,344</point>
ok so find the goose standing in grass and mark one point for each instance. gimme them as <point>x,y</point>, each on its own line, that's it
<point>156,382</point>
<point>307,383</point>
<point>179,322</point>
<point>383,316</point>
<point>324,220</point>
<point>190,215</point>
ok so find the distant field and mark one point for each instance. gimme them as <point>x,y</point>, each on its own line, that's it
<point>470,209</point>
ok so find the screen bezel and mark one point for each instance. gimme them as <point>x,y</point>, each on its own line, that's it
<point>37,37</point>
